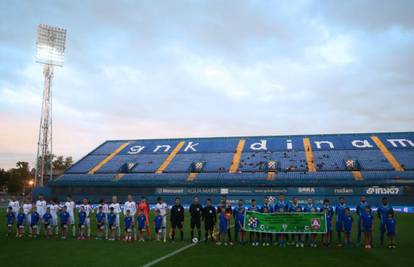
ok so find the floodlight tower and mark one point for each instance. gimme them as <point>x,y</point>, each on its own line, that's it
<point>50,52</point>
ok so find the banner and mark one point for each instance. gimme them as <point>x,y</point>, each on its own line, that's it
<point>294,222</point>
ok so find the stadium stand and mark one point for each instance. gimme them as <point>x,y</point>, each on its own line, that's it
<point>314,165</point>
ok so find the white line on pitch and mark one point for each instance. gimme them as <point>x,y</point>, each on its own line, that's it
<point>152,263</point>
<point>168,255</point>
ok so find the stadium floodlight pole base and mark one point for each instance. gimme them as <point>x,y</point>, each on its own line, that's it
<point>44,144</point>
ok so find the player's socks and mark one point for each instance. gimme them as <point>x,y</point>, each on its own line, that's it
<point>199,234</point>
<point>192,234</point>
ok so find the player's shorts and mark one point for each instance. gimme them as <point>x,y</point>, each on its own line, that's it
<point>71,218</point>
<point>208,226</point>
<point>389,233</point>
<point>367,230</point>
<point>64,225</point>
<point>112,226</point>
<point>339,226</point>
<point>195,223</point>
<point>157,230</point>
<point>141,228</point>
<point>47,226</point>
<point>100,226</point>
<point>223,230</point>
<point>54,220</point>
<point>81,225</point>
<point>175,224</point>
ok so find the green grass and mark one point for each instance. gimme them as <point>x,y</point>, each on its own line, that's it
<point>41,252</point>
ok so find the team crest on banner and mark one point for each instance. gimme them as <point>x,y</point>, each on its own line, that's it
<point>315,223</point>
<point>253,222</point>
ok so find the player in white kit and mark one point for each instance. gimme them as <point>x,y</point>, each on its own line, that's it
<point>54,209</point>
<point>70,208</point>
<point>88,210</point>
<point>163,208</point>
<point>41,206</point>
<point>15,205</point>
<point>27,208</point>
<point>132,207</point>
<point>117,211</point>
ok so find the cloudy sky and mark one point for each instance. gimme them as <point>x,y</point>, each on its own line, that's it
<point>149,69</point>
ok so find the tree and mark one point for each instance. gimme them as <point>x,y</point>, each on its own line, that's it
<point>4,178</point>
<point>18,177</point>
<point>61,163</point>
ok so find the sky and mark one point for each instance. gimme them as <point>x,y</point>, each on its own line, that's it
<point>161,69</point>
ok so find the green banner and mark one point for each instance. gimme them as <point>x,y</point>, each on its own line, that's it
<point>294,222</point>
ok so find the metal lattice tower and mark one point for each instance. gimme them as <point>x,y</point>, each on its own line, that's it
<point>50,52</point>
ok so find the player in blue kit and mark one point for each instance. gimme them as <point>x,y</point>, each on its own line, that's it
<point>383,211</point>
<point>239,221</point>
<point>367,222</point>
<point>281,206</point>
<point>100,223</point>
<point>330,210</point>
<point>360,211</point>
<point>10,218</point>
<point>141,225</point>
<point>47,223</point>
<point>298,238</point>
<point>223,227</point>
<point>158,219</point>
<point>112,225</point>
<point>310,207</point>
<point>64,219</point>
<point>236,211</point>
<point>129,223</point>
<point>390,226</point>
<point>266,236</point>
<point>82,223</point>
<point>293,207</point>
<point>254,236</point>
<point>347,222</point>
<point>34,221</point>
<point>20,222</point>
<point>340,216</point>
<point>327,238</point>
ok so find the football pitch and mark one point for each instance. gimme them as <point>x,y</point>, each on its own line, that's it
<point>102,253</point>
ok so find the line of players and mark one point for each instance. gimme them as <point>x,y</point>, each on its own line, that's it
<point>52,217</point>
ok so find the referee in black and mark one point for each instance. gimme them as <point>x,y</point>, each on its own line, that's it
<point>196,211</point>
<point>177,218</point>
<point>209,217</point>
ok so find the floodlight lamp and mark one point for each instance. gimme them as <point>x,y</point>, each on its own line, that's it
<point>50,45</point>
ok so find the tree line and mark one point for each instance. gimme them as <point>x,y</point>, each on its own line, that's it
<point>18,180</point>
